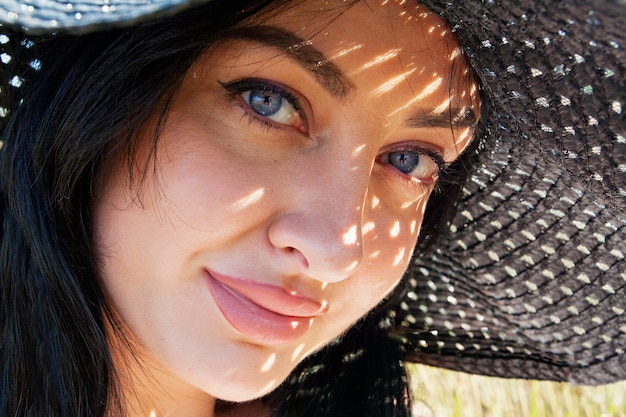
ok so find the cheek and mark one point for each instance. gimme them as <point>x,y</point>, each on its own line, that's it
<point>207,187</point>
<point>389,237</point>
<point>390,229</point>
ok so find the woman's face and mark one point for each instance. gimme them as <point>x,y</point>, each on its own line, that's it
<point>290,182</point>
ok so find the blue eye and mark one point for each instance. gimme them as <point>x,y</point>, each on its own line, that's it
<point>269,102</point>
<point>265,103</point>
<point>273,105</point>
<point>404,161</point>
<point>420,165</point>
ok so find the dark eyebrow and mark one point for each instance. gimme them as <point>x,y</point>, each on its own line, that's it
<point>462,117</point>
<point>326,73</point>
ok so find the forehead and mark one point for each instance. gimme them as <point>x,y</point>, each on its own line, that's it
<point>412,27</point>
<point>397,49</point>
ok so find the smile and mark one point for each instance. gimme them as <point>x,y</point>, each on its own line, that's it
<point>266,313</point>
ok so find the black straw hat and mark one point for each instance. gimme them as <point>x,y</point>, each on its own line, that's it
<point>530,280</point>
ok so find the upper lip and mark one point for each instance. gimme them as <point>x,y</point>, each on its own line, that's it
<point>273,298</point>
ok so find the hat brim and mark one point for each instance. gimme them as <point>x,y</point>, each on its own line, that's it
<point>45,16</point>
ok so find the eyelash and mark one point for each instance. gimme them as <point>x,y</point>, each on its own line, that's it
<point>235,89</point>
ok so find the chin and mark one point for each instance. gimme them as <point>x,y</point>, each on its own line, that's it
<point>242,385</point>
<point>244,392</point>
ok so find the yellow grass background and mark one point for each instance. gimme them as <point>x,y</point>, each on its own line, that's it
<point>441,393</point>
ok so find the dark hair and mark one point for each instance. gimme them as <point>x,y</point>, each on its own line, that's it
<point>95,92</point>
<point>54,359</point>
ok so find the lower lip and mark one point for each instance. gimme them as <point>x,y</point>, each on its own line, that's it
<point>254,321</point>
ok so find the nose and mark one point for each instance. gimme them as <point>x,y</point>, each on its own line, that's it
<point>320,232</point>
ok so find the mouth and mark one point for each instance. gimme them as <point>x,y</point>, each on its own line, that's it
<point>265,313</point>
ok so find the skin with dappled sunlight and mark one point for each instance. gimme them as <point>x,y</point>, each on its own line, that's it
<point>293,170</point>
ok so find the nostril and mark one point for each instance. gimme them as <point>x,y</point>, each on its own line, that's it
<point>296,253</point>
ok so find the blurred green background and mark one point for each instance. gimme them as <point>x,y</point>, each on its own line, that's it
<point>441,393</point>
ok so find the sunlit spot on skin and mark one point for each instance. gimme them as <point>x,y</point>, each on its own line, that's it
<point>433,28</point>
<point>350,237</point>
<point>465,135</point>
<point>153,413</point>
<point>368,227</point>
<point>399,257</point>
<point>317,346</point>
<point>428,90</point>
<point>268,387</point>
<point>443,106</point>
<point>386,2</point>
<point>411,203</point>
<point>455,54</point>
<point>314,348</point>
<point>296,353</point>
<point>392,83</point>
<point>345,51</point>
<point>378,60</point>
<point>413,227</point>
<point>324,285</point>
<point>375,254</point>
<point>423,209</point>
<point>375,202</point>
<point>395,230</point>
<point>248,200</point>
<point>358,150</point>
<point>269,363</point>
<point>350,267</point>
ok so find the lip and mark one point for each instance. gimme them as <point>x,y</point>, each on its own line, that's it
<point>266,313</point>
